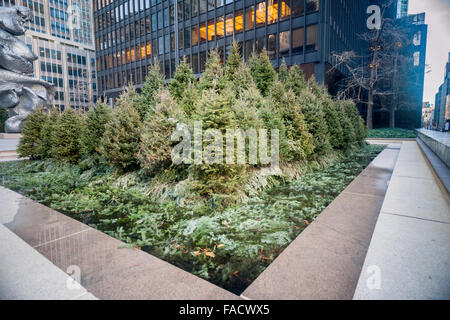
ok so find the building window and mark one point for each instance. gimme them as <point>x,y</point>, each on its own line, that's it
<point>194,35</point>
<point>248,49</point>
<point>284,42</point>
<point>249,18</point>
<point>416,58</point>
<point>239,21</point>
<point>271,45</point>
<point>260,14</point>
<point>311,37</point>
<point>298,7</point>
<point>195,63</point>
<point>285,9</point>
<point>312,5</point>
<point>272,11</point>
<point>211,30</point>
<point>229,24</point>
<point>220,27</point>
<point>202,32</point>
<point>417,38</point>
<point>259,44</point>
<point>297,40</point>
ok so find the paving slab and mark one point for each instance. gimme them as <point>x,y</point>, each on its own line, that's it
<point>109,270</point>
<point>413,189</point>
<point>325,260</point>
<point>27,275</point>
<point>8,144</point>
<point>412,257</point>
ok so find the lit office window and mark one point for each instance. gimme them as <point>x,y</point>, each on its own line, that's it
<point>194,35</point>
<point>285,10</point>
<point>260,14</point>
<point>249,18</point>
<point>272,11</point>
<point>202,32</point>
<point>211,30</point>
<point>239,21</point>
<point>220,27</point>
<point>229,24</point>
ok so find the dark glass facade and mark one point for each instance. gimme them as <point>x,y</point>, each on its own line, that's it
<point>130,34</point>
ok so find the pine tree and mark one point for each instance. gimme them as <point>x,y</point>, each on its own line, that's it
<point>189,101</point>
<point>212,77</point>
<point>359,127</point>
<point>44,146</point>
<point>348,132</point>
<point>262,71</point>
<point>295,80</point>
<point>182,78</point>
<point>236,71</point>
<point>31,135</point>
<point>283,72</point>
<point>65,137</point>
<point>95,125</point>
<point>334,124</point>
<point>216,112</point>
<point>315,119</point>
<point>156,146</point>
<point>146,100</point>
<point>299,139</point>
<point>121,139</point>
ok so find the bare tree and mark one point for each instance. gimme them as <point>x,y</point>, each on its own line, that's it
<point>375,74</point>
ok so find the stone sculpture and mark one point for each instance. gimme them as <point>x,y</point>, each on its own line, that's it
<point>20,93</point>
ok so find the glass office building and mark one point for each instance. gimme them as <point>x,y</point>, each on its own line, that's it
<point>131,34</point>
<point>61,34</point>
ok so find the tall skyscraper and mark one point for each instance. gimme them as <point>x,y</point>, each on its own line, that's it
<point>130,34</point>
<point>62,36</point>
<point>402,8</point>
<point>442,102</point>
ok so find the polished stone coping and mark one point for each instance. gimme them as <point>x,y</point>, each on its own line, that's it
<point>27,275</point>
<point>440,168</point>
<point>441,137</point>
<point>409,253</point>
<point>109,270</point>
<point>325,260</point>
<point>438,142</point>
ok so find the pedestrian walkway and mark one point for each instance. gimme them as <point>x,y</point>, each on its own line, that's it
<point>409,254</point>
<point>26,275</point>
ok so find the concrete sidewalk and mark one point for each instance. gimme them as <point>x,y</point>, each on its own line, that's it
<point>409,254</point>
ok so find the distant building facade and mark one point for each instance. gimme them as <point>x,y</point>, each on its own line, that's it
<point>130,34</point>
<point>409,77</point>
<point>427,115</point>
<point>62,36</point>
<point>442,101</point>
